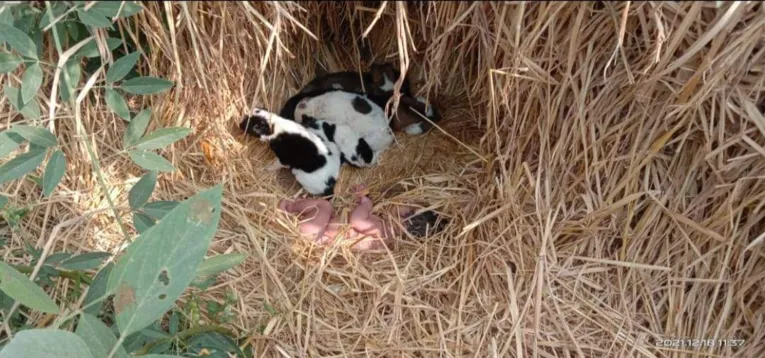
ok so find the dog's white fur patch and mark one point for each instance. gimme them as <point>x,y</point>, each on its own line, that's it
<point>336,107</point>
<point>387,85</point>
<point>316,182</point>
<point>429,111</point>
<point>414,129</point>
<point>346,140</point>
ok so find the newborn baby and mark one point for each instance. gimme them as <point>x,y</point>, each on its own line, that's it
<point>367,232</point>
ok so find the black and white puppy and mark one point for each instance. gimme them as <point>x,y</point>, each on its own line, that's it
<point>377,83</point>
<point>354,150</point>
<point>353,110</point>
<point>315,163</point>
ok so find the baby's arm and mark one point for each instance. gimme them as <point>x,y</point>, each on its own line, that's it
<point>318,213</point>
<point>370,230</point>
<point>362,220</point>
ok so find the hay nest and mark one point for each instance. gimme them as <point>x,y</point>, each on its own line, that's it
<point>601,164</point>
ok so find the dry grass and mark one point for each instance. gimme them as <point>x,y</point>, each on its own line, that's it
<point>602,164</point>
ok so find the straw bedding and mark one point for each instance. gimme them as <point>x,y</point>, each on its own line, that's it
<point>601,164</point>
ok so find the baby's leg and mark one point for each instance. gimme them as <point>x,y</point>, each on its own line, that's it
<point>364,222</point>
<point>318,212</point>
<point>370,230</point>
<point>362,219</point>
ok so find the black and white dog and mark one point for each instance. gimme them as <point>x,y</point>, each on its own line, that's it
<point>377,86</point>
<point>314,162</point>
<point>354,150</point>
<point>377,83</point>
<point>350,113</point>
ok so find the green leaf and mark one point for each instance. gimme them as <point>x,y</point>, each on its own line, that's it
<point>9,62</point>
<point>136,128</point>
<point>26,17</point>
<point>84,261</point>
<point>151,161</point>
<point>158,209</point>
<point>54,172</point>
<point>112,8</point>
<point>36,135</point>
<point>90,50</point>
<point>57,9</point>
<point>117,104</point>
<point>67,87</point>
<point>46,342</point>
<point>31,81</point>
<point>36,148</point>
<point>30,111</point>
<point>159,265</point>
<point>146,85</point>
<point>36,35</point>
<point>98,337</point>
<point>35,179</point>
<point>155,331</point>
<point>5,15</point>
<point>18,286</point>
<point>270,309</point>
<point>3,201</point>
<point>97,290</point>
<point>202,283</point>
<point>76,31</point>
<point>121,67</point>
<point>214,342</point>
<point>141,191</point>
<point>142,222</point>
<point>93,19</point>
<point>18,40</point>
<point>219,263</point>
<point>173,324</point>
<point>57,257</point>
<point>20,166</point>
<point>60,30</point>
<point>133,342</point>
<point>160,356</point>
<point>161,138</point>
<point>36,253</point>
<point>9,142</point>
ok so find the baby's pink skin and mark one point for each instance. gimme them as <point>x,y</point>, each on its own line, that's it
<point>366,229</point>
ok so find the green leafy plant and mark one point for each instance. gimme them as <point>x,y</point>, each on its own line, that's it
<point>125,300</point>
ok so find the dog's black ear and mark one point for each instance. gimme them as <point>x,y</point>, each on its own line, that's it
<point>318,70</point>
<point>365,49</point>
<point>256,125</point>
<point>245,123</point>
<point>310,122</point>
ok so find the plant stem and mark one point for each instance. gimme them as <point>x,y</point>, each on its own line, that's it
<point>61,320</point>
<point>81,133</point>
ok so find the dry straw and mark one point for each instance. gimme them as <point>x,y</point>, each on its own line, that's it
<point>602,164</point>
